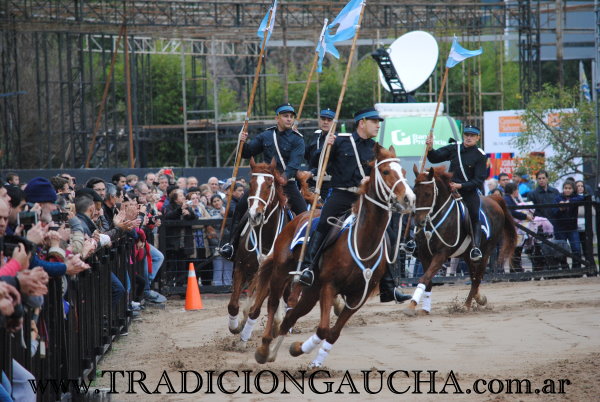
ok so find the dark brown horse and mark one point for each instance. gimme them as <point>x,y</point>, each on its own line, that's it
<point>444,232</point>
<point>351,266</point>
<point>266,218</point>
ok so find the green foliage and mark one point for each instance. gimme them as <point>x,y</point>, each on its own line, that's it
<point>569,133</point>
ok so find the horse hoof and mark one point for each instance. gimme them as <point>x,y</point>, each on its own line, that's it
<point>296,349</point>
<point>423,312</point>
<point>314,364</point>
<point>237,330</point>
<point>410,312</point>
<point>482,301</point>
<point>260,356</point>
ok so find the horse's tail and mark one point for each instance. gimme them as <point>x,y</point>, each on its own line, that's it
<point>509,239</point>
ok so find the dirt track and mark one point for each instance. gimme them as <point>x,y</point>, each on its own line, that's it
<point>529,330</point>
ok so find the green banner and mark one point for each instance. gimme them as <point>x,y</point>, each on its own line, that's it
<point>408,134</point>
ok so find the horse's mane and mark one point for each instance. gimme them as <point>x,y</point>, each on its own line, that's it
<point>279,180</point>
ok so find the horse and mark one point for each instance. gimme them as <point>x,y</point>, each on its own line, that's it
<point>444,232</point>
<point>267,214</point>
<point>352,265</point>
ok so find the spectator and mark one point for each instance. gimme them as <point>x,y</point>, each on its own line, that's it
<point>238,193</point>
<point>17,204</point>
<point>98,185</point>
<point>513,198</point>
<point>182,184</point>
<point>12,179</point>
<point>503,180</point>
<point>491,185</point>
<point>62,188</point>
<point>521,179</point>
<point>200,241</point>
<point>72,180</point>
<point>213,183</point>
<point>131,181</point>
<point>192,182</point>
<point>40,191</point>
<point>180,240</point>
<point>119,180</point>
<point>163,183</point>
<point>565,227</point>
<point>150,179</point>
<point>543,194</point>
<point>222,269</point>
<point>584,191</point>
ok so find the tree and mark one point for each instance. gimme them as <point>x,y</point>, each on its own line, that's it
<point>558,118</point>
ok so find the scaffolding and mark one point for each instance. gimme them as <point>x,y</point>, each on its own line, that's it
<point>56,55</point>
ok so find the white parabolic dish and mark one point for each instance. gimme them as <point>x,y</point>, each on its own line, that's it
<point>414,56</point>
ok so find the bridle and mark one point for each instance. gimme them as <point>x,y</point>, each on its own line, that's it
<point>271,194</point>
<point>385,193</point>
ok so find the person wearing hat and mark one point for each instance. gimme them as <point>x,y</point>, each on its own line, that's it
<point>468,164</point>
<point>313,151</point>
<point>41,191</point>
<point>346,176</point>
<point>284,144</point>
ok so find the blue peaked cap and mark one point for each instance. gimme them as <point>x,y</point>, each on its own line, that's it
<point>330,114</point>
<point>472,130</point>
<point>370,113</point>
<point>286,107</point>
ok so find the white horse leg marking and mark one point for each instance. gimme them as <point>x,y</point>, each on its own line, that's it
<point>259,182</point>
<point>427,302</point>
<point>247,331</point>
<point>311,343</point>
<point>321,355</point>
<point>418,293</point>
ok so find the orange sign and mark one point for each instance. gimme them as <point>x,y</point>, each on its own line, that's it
<point>510,124</point>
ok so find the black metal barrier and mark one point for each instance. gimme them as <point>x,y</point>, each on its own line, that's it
<point>77,324</point>
<point>173,235</point>
<point>543,250</point>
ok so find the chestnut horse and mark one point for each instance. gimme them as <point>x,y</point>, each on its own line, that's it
<point>267,215</point>
<point>444,231</point>
<point>351,266</point>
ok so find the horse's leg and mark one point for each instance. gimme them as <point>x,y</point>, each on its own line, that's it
<point>326,302</point>
<point>476,271</point>
<point>310,296</point>
<point>234,300</point>
<point>262,352</point>
<point>260,292</point>
<point>424,282</point>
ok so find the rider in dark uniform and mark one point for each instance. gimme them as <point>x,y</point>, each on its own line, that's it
<point>287,147</point>
<point>469,168</point>
<point>313,150</point>
<point>346,177</point>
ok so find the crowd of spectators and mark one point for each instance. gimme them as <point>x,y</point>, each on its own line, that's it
<point>49,227</point>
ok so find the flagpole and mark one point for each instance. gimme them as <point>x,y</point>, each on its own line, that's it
<point>327,149</point>
<point>244,129</point>
<point>434,118</point>
<point>310,74</point>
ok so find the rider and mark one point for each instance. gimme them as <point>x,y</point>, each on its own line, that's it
<point>287,147</point>
<point>313,150</point>
<point>346,177</point>
<point>469,169</point>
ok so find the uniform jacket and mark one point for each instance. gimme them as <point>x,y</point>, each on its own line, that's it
<point>474,162</point>
<point>342,164</point>
<point>291,146</point>
<point>313,150</point>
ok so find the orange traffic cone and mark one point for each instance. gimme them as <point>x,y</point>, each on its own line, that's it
<point>193,300</point>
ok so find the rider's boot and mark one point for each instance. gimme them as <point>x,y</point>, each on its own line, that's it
<point>308,268</point>
<point>475,253</point>
<point>388,290</point>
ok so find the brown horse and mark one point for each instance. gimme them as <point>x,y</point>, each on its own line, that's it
<point>444,232</point>
<point>266,218</point>
<point>351,266</point>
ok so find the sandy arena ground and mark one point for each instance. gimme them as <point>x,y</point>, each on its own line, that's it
<point>529,330</point>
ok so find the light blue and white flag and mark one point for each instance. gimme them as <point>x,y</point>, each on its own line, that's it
<point>321,46</point>
<point>263,24</point>
<point>459,53</point>
<point>346,23</point>
<point>583,84</point>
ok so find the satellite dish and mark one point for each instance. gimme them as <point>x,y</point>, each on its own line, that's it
<point>414,56</point>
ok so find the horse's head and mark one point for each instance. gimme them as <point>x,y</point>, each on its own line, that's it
<point>429,186</point>
<point>389,183</point>
<point>265,188</point>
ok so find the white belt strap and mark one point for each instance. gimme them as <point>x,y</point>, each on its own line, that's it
<point>277,148</point>
<point>362,172</point>
<point>460,162</point>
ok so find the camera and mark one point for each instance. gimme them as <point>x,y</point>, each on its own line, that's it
<point>59,217</point>
<point>27,218</point>
<point>9,243</point>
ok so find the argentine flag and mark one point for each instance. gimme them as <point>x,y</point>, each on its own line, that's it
<point>459,53</point>
<point>263,24</point>
<point>346,22</point>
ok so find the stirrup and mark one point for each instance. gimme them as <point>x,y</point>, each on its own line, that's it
<point>226,251</point>
<point>475,254</point>
<point>307,277</point>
